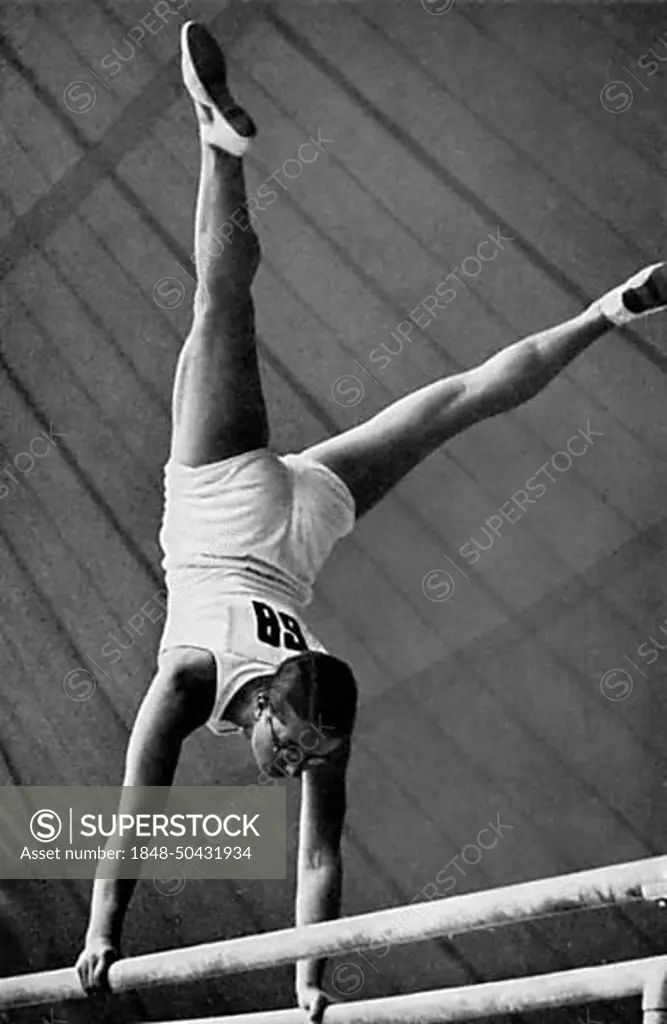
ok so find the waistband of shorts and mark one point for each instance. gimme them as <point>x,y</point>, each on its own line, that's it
<point>240,599</point>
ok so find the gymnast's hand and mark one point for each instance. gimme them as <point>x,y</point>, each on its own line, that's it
<point>314,1001</point>
<point>93,965</point>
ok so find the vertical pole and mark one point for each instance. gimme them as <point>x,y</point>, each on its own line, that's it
<point>654,999</point>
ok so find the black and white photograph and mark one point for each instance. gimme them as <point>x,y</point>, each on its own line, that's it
<point>333,512</point>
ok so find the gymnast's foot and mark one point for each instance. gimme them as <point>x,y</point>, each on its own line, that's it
<point>643,294</point>
<point>222,122</point>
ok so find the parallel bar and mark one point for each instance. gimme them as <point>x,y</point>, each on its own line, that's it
<point>540,992</point>
<point>621,883</point>
<point>654,1000</point>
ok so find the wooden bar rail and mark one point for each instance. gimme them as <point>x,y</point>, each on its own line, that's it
<point>417,922</point>
<point>444,1006</point>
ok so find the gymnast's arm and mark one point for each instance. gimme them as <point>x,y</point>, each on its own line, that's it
<point>319,868</point>
<point>177,702</point>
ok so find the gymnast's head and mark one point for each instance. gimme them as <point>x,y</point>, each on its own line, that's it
<point>303,715</point>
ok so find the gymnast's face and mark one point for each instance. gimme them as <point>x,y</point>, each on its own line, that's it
<point>284,746</point>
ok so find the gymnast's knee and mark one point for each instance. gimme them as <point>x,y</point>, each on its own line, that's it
<point>225,304</point>
<point>227,265</point>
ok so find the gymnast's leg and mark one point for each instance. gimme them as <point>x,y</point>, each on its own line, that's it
<point>218,406</point>
<point>375,456</point>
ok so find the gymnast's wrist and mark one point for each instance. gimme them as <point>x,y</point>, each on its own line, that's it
<point>309,974</point>
<point>106,934</point>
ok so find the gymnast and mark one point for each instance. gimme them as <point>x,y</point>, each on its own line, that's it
<point>246,531</point>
